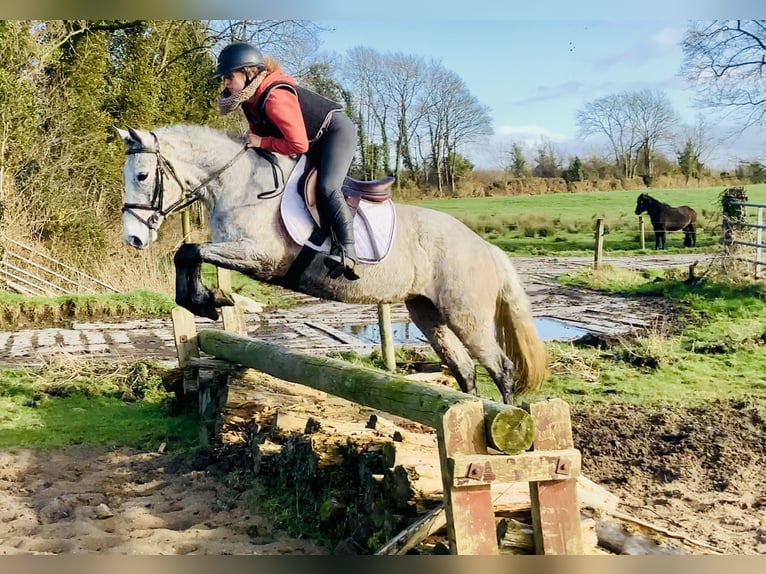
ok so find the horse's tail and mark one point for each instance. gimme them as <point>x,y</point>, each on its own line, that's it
<point>515,328</point>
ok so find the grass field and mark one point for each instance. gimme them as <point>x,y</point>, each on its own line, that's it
<point>564,224</point>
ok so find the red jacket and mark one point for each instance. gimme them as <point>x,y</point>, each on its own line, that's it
<point>284,110</point>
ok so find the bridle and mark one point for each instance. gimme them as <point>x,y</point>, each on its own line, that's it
<point>165,169</point>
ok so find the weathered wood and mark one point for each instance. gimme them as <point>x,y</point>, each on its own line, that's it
<point>598,253</point>
<point>415,533</point>
<point>185,335</point>
<point>386,335</point>
<point>386,392</point>
<point>470,513</point>
<point>517,537</point>
<point>654,531</point>
<point>555,509</point>
<point>524,467</point>
<point>232,317</point>
<point>615,538</point>
<point>595,496</point>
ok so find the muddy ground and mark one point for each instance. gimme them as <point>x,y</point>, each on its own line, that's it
<point>696,472</point>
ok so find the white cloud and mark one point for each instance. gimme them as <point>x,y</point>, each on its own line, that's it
<point>528,136</point>
<point>667,38</point>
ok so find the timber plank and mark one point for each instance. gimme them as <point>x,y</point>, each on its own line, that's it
<point>555,509</point>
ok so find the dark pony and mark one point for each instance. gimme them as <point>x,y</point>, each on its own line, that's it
<point>666,218</point>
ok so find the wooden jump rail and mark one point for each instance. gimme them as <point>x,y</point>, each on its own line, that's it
<point>466,426</point>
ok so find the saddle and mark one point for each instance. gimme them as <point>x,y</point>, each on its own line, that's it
<point>354,190</point>
<point>370,203</point>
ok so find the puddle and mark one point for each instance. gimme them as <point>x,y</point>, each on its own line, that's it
<point>406,333</point>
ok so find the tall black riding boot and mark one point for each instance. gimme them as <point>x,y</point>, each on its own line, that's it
<point>342,257</point>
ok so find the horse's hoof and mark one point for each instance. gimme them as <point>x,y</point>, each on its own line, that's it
<point>205,311</point>
<point>209,313</point>
<point>350,274</point>
<point>221,299</point>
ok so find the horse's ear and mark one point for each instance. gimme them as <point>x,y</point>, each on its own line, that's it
<point>130,137</point>
<point>124,136</point>
<point>134,134</point>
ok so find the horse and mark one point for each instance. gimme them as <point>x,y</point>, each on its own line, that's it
<point>461,291</point>
<point>666,218</point>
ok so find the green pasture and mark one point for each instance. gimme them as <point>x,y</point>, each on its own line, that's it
<point>564,223</point>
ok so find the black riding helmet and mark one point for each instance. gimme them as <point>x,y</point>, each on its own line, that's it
<point>236,56</point>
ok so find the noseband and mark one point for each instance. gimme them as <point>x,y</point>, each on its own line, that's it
<point>164,168</point>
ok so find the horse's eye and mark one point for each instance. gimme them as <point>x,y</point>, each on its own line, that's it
<point>142,176</point>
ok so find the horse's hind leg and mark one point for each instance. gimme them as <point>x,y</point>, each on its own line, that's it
<point>473,323</point>
<point>446,344</point>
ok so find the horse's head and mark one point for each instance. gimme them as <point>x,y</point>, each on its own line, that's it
<point>641,203</point>
<point>152,188</point>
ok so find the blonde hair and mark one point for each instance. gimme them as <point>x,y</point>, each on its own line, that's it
<point>269,64</point>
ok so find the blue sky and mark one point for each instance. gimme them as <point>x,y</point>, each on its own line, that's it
<point>535,74</point>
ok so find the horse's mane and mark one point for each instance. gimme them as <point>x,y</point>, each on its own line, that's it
<point>653,200</point>
<point>202,140</point>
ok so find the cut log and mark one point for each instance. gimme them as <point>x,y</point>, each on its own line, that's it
<point>615,538</point>
<point>509,429</point>
<point>415,533</point>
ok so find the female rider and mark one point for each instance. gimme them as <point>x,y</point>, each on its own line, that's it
<point>289,119</point>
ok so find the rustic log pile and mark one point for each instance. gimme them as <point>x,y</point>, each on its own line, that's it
<point>369,482</point>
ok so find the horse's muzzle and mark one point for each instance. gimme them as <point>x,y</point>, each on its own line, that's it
<point>135,242</point>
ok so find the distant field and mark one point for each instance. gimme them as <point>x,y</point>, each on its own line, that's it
<point>564,223</point>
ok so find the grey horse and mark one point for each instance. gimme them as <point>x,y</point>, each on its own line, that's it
<point>461,291</point>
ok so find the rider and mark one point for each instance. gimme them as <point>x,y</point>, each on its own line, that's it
<point>289,119</point>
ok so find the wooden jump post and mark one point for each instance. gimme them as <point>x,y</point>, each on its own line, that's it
<point>467,427</point>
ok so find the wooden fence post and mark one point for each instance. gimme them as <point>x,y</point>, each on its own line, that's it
<point>386,336</point>
<point>641,232</point>
<point>598,255</point>
<point>555,508</point>
<point>233,317</point>
<point>470,514</point>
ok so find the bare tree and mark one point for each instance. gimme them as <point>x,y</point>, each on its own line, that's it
<point>452,118</point>
<point>634,123</point>
<point>699,136</point>
<point>402,88</point>
<point>726,61</point>
<point>364,72</point>
<point>654,121</point>
<point>293,42</point>
<point>609,116</point>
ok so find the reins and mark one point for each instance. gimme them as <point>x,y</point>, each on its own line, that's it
<point>189,196</point>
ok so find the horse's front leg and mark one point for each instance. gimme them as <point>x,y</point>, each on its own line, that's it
<point>191,293</point>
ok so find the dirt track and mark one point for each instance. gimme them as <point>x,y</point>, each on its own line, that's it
<point>317,326</point>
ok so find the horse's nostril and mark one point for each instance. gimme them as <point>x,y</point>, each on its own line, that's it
<point>135,242</point>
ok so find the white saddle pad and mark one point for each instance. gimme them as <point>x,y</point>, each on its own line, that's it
<point>374,223</point>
